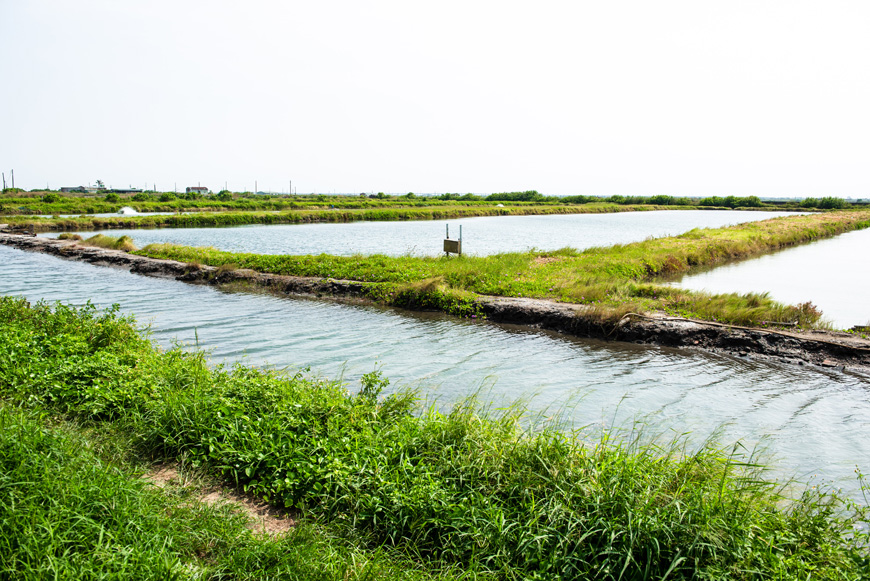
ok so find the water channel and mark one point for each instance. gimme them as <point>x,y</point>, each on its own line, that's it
<point>481,236</point>
<point>815,422</point>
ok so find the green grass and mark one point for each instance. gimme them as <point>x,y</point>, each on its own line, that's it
<point>609,281</point>
<point>465,488</point>
<point>68,512</point>
<point>124,243</point>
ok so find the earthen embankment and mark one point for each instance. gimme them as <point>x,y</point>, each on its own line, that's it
<point>829,349</point>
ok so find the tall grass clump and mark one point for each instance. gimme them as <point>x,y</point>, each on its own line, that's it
<point>124,243</point>
<point>464,488</point>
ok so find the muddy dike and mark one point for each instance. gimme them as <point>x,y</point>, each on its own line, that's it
<point>828,349</point>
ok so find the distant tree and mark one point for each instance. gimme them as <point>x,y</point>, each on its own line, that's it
<point>661,200</point>
<point>527,196</point>
<point>580,199</point>
<point>712,201</point>
<point>381,195</point>
<point>101,185</point>
<point>51,198</point>
<point>224,196</point>
<point>141,197</point>
<point>410,195</point>
<point>829,203</point>
<point>167,197</point>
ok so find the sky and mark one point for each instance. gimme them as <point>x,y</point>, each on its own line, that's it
<point>696,98</point>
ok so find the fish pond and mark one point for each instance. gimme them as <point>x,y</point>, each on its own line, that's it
<point>481,236</point>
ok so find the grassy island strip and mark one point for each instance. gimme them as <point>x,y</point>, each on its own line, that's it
<point>610,281</point>
<point>465,494</point>
<point>396,212</point>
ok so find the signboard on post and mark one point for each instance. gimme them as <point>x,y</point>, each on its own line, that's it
<point>453,246</point>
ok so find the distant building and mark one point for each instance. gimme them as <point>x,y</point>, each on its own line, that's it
<point>197,190</point>
<point>83,189</point>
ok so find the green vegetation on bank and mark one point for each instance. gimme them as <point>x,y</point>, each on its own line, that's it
<point>49,202</point>
<point>72,507</point>
<point>41,211</point>
<point>462,489</point>
<point>610,281</point>
<point>210,219</point>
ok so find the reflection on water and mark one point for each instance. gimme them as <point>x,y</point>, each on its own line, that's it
<point>815,421</point>
<point>481,236</point>
<point>833,274</point>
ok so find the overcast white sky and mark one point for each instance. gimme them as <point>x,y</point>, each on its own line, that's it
<point>605,97</point>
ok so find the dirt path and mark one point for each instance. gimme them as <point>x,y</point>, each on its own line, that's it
<point>263,518</point>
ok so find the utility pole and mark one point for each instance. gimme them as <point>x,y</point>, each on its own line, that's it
<point>255,186</point>
<point>13,178</point>
<point>4,180</point>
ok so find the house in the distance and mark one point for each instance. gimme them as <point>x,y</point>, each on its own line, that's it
<point>202,190</point>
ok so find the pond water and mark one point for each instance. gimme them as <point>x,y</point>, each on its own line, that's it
<point>480,236</point>
<point>815,422</point>
<point>833,274</point>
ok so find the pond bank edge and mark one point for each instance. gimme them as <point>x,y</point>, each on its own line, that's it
<point>823,348</point>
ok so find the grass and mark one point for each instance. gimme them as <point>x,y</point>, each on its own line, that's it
<point>124,243</point>
<point>71,508</point>
<point>464,489</point>
<point>609,281</point>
